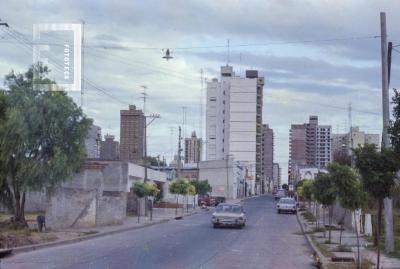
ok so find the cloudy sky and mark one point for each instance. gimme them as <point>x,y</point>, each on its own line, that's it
<point>316,57</point>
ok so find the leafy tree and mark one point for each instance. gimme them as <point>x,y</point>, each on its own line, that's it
<point>378,172</point>
<point>178,187</point>
<point>153,161</point>
<point>42,138</point>
<point>6,196</point>
<point>202,186</point>
<point>324,192</point>
<point>308,192</point>
<point>144,189</point>
<point>190,190</point>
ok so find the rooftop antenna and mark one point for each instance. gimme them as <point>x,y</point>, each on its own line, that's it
<point>144,97</point>
<point>229,52</point>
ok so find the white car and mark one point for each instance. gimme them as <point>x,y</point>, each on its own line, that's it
<point>286,204</point>
<point>228,215</point>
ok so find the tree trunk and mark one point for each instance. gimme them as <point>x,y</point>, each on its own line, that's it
<point>358,242</point>
<point>330,222</point>
<point>19,214</point>
<point>323,220</point>
<point>342,226</point>
<point>379,232</point>
<point>176,206</point>
<point>138,211</point>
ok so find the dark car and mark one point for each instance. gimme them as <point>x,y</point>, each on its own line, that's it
<point>279,194</point>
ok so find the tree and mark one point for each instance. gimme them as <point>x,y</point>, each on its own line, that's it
<point>378,172</point>
<point>178,187</point>
<point>42,138</point>
<point>324,192</point>
<point>202,186</point>
<point>6,196</point>
<point>144,189</point>
<point>308,192</point>
<point>190,190</point>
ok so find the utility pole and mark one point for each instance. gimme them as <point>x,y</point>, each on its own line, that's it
<point>178,165</point>
<point>227,176</point>
<point>388,205</point>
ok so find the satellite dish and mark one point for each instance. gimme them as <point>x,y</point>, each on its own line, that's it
<point>167,54</point>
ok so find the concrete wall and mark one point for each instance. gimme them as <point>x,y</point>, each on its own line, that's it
<point>94,197</point>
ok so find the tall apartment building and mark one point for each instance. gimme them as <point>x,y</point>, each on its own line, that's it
<point>92,142</point>
<point>234,119</point>
<point>132,134</point>
<point>276,175</point>
<point>109,149</point>
<point>345,142</point>
<point>267,155</point>
<point>192,149</point>
<point>309,146</point>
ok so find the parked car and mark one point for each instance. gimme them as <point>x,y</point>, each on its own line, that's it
<point>228,215</point>
<point>206,200</point>
<point>219,199</point>
<point>279,194</point>
<point>286,204</point>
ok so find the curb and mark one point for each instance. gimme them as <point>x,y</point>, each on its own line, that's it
<point>309,241</point>
<point>84,238</point>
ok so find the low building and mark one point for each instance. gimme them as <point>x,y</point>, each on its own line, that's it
<point>98,195</point>
<point>226,177</point>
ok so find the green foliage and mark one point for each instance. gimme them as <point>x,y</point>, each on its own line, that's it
<point>142,189</point>
<point>191,189</point>
<point>202,186</point>
<point>42,137</point>
<point>349,189</point>
<point>179,186</point>
<point>308,190</point>
<point>153,161</point>
<point>394,129</point>
<point>324,189</point>
<point>377,169</point>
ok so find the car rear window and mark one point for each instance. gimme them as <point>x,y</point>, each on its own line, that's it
<point>287,201</point>
<point>229,208</point>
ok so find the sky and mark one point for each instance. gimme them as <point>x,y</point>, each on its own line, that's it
<point>317,57</point>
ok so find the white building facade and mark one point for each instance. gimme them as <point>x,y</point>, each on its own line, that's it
<point>234,120</point>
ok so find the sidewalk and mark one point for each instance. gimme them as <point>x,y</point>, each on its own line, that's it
<point>325,250</point>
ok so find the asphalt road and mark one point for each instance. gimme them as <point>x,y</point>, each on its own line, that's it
<point>269,240</point>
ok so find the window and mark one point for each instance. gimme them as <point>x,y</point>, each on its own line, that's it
<point>213,99</point>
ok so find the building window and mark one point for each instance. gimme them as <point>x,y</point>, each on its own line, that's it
<point>213,99</point>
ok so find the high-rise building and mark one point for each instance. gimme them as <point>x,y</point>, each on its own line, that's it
<point>132,134</point>
<point>276,175</point>
<point>192,149</point>
<point>343,143</point>
<point>309,146</point>
<point>234,119</point>
<point>92,142</point>
<point>267,156</point>
<point>109,149</point>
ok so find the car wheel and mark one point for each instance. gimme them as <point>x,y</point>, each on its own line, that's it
<point>215,225</point>
<point>279,211</point>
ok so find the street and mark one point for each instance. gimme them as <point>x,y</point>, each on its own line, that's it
<point>269,240</point>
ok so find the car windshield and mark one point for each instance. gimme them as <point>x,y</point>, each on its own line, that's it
<point>229,208</point>
<point>287,201</point>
